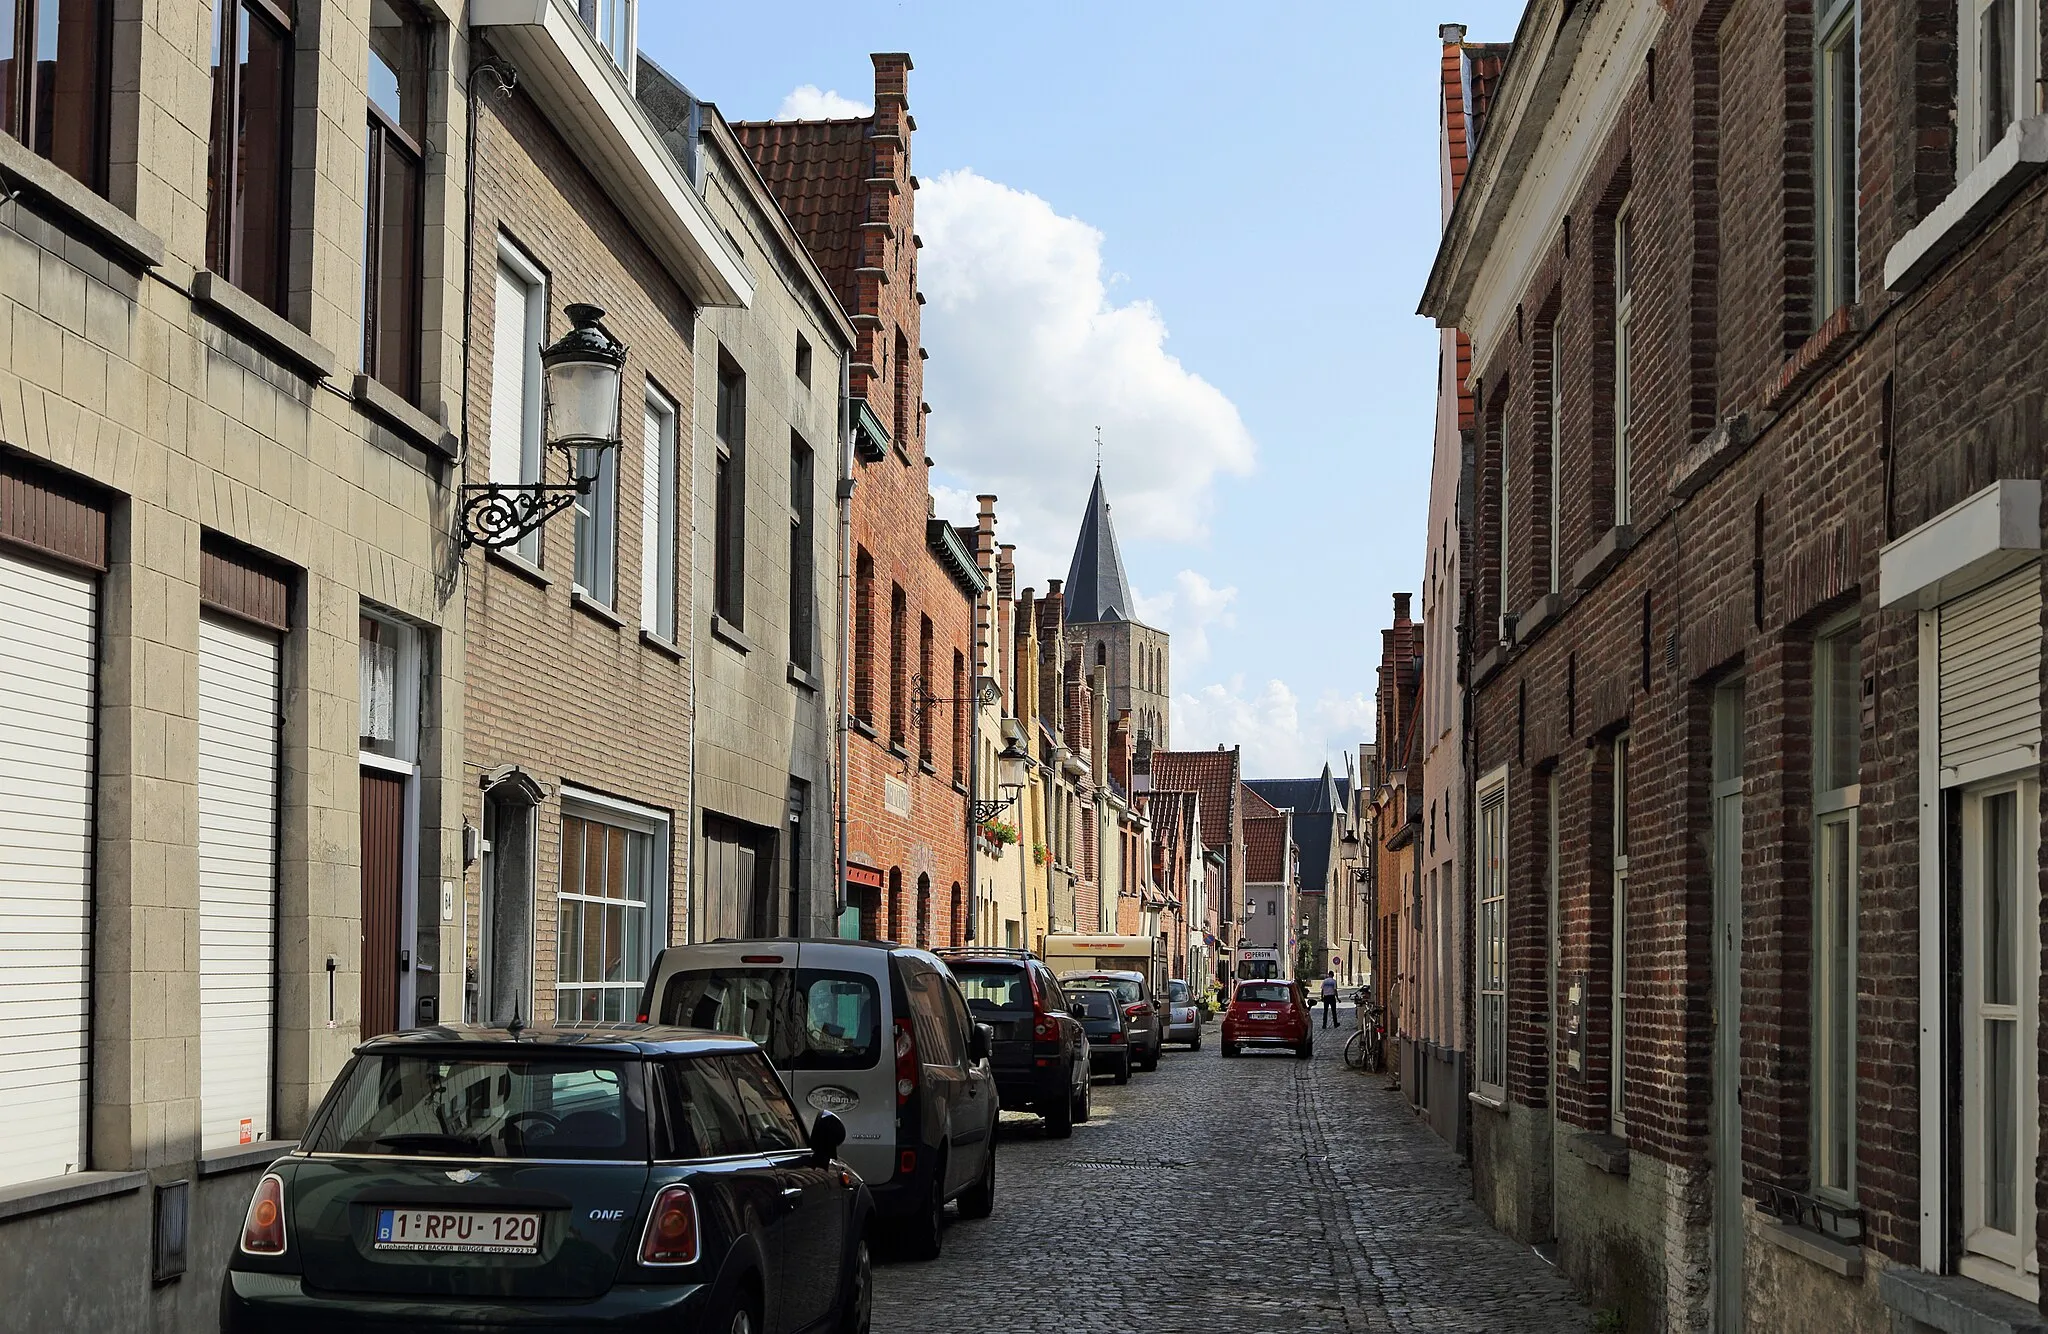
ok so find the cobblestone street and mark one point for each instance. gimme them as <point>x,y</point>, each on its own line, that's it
<point>1263,1192</point>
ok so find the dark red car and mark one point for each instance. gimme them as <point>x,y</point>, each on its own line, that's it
<point>1268,1014</point>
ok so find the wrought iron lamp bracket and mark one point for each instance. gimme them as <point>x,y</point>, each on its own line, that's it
<point>496,515</point>
<point>980,811</point>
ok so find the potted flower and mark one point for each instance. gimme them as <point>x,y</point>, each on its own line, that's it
<point>998,833</point>
<point>1040,854</point>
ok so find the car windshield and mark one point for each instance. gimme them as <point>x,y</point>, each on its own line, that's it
<point>415,1104</point>
<point>993,986</point>
<point>1177,993</point>
<point>804,1018</point>
<point>1265,993</point>
<point>1096,1004</point>
<point>1126,990</point>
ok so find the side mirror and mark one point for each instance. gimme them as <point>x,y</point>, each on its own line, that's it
<point>1078,1010</point>
<point>978,1042</point>
<point>828,1132</point>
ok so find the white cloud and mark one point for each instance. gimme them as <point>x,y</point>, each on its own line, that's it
<point>1188,611</point>
<point>1030,355</point>
<point>1281,739</point>
<point>811,102</point>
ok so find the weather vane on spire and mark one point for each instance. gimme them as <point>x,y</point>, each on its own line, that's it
<point>1098,451</point>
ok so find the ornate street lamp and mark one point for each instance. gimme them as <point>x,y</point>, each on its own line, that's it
<point>580,377</point>
<point>1013,767</point>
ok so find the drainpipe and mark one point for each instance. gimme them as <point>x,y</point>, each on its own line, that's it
<point>973,704</point>
<point>845,636</point>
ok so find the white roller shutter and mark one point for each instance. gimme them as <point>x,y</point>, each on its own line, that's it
<point>47,638</point>
<point>1991,679</point>
<point>237,879</point>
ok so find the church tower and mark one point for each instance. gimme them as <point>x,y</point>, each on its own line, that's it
<point>1102,625</point>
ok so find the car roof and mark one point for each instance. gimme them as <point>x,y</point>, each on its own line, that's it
<point>724,943</point>
<point>1128,974</point>
<point>613,1039</point>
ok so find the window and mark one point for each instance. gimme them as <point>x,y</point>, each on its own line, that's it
<point>388,687</point>
<point>248,166</point>
<point>1997,61</point>
<point>961,705</point>
<point>924,679</point>
<point>396,189</point>
<point>1502,512</point>
<point>772,1121</point>
<point>696,1113</point>
<point>803,592</point>
<point>1617,982</point>
<point>1492,964</point>
<point>2001,972</point>
<point>54,78</point>
<point>803,361</point>
<point>899,651</point>
<point>613,23</point>
<point>612,910</point>
<point>1835,114</point>
<point>729,535</point>
<point>864,636</point>
<point>597,528</point>
<point>658,516</point>
<point>518,329</point>
<point>1837,734</point>
<point>902,424</point>
<point>1555,486</point>
<point>1624,319</point>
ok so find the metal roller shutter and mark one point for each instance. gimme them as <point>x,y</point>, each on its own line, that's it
<point>238,712</point>
<point>1991,678</point>
<point>47,638</point>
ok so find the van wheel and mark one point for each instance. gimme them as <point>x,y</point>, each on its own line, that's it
<point>1084,1101</point>
<point>979,1199</point>
<point>1059,1117</point>
<point>1123,1072</point>
<point>923,1233</point>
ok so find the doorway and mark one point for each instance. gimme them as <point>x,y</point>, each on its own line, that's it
<point>505,954</point>
<point>383,864</point>
<point>1725,796</point>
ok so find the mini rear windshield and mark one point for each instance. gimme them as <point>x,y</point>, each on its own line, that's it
<point>1265,993</point>
<point>994,986</point>
<point>421,1105</point>
<point>804,1018</point>
<point>1096,1004</point>
<point>1126,990</point>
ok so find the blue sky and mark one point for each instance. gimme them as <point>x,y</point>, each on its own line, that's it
<point>1203,227</point>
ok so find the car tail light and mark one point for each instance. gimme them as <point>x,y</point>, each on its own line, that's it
<point>263,1229</point>
<point>1116,1037</point>
<point>643,1016</point>
<point>906,1062</point>
<point>906,1162</point>
<point>671,1236</point>
<point>1136,1010</point>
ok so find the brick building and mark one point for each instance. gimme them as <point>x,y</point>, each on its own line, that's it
<point>578,687</point>
<point>1397,820</point>
<point>847,187</point>
<point>1756,299</point>
<point>1216,779</point>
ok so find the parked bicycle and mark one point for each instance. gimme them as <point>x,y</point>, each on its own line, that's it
<point>1366,1049</point>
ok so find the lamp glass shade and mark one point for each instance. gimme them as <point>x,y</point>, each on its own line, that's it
<point>583,402</point>
<point>1010,768</point>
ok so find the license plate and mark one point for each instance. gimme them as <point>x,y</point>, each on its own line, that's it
<point>1265,1014</point>
<point>475,1231</point>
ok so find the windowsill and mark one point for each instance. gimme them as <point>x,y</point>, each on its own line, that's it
<point>927,767</point>
<point>583,602</point>
<point>1837,1257</point>
<point>35,1197</point>
<point>1487,663</point>
<point>1712,454</point>
<point>1980,194</point>
<point>725,632</point>
<point>660,645</point>
<point>1605,555</point>
<point>960,787</point>
<point>276,335</point>
<point>1607,1153</point>
<point>1478,1099</point>
<point>896,749</point>
<point>862,726</point>
<point>108,228</point>
<point>799,677</point>
<point>1538,614</point>
<point>520,565</point>
<point>376,398</point>
<point>1956,1305</point>
<point>244,1157</point>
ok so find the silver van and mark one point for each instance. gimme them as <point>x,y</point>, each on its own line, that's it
<point>877,1034</point>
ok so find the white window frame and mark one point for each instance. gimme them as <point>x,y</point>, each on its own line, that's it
<point>660,422</point>
<point>1624,323</point>
<point>2023,70</point>
<point>1836,825</point>
<point>583,804</point>
<point>1617,980</point>
<point>597,531</point>
<point>2003,1258</point>
<point>516,449</point>
<point>1490,934</point>
<point>615,24</point>
<point>1837,76</point>
<point>1556,449</point>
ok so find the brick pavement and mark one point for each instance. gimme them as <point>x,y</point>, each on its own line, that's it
<point>1275,1193</point>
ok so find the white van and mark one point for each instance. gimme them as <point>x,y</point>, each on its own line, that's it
<point>1095,953</point>
<point>1261,963</point>
<point>877,1034</point>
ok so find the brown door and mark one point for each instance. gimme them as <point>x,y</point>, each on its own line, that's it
<point>383,860</point>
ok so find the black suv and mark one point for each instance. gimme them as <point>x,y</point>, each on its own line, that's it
<point>1039,1051</point>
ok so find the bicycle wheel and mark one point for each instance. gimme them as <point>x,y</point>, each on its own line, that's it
<point>1355,1050</point>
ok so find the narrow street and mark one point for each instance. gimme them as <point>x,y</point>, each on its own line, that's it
<point>1263,1192</point>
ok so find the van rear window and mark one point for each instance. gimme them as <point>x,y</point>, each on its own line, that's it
<point>804,1018</point>
<point>1265,993</point>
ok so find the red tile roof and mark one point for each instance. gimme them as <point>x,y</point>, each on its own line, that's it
<point>818,170</point>
<point>1211,775</point>
<point>1256,805</point>
<point>1265,849</point>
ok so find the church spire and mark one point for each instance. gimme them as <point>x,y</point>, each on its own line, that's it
<point>1096,588</point>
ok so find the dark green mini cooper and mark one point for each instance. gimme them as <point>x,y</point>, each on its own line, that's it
<point>583,1177</point>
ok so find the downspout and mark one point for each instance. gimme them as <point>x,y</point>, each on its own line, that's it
<point>845,636</point>
<point>972,704</point>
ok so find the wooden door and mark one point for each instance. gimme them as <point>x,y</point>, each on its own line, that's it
<point>383,854</point>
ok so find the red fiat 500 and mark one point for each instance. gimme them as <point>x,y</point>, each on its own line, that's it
<point>1268,1014</point>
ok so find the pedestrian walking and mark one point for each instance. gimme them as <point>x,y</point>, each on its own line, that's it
<point>1330,999</point>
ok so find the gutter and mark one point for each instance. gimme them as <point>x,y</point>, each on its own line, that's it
<point>845,499</point>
